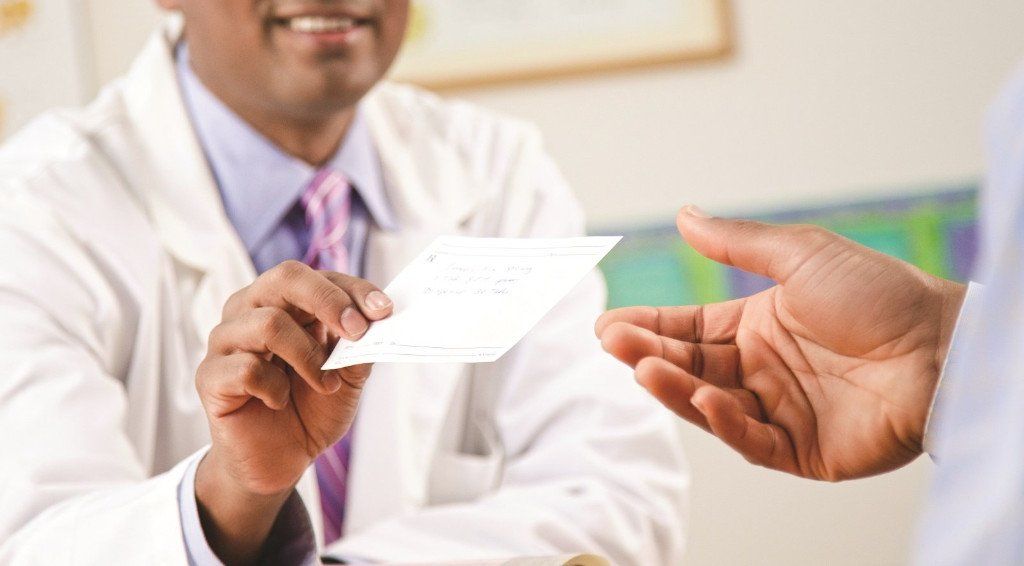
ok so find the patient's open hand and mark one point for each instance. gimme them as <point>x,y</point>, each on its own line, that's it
<point>827,375</point>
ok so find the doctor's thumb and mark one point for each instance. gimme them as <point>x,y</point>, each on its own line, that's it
<point>775,251</point>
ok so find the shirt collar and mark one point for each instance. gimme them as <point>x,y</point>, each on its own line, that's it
<point>258,182</point>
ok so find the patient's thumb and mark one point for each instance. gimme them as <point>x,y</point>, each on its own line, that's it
<point>774,251</point>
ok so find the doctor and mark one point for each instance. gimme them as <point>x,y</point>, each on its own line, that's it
<point>212,223</point>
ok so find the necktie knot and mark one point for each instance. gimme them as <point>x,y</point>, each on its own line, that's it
<point>327,202</point>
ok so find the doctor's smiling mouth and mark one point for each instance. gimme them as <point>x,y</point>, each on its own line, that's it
<point>325,30</point>
<point>347,35</point>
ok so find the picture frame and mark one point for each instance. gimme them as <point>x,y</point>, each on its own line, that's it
<point>452,44</point>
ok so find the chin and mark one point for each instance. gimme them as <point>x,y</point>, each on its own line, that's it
<point>328,94</point>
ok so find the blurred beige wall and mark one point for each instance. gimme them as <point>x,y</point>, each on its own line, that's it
<point>824,101</point>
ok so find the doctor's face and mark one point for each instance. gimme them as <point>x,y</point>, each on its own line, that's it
<point>302,59</point>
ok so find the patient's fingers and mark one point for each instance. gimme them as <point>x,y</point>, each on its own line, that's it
<point>709,324</point>
<point>671,386</point>
<point>715,363</point>
<point>764,444</point>
<point>674,387</point>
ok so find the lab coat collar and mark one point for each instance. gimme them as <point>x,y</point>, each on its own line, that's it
<point>258,181</point>
<point>429,188</point>
<point>182,200</point>
<point>185,204</point>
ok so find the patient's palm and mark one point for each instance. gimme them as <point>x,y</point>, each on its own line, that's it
<point>839,364</point>
<point>827,375</point>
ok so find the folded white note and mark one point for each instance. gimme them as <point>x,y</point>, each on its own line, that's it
<point>472,299</point>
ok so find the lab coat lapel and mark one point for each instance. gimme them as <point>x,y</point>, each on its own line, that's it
<point>184,204</point>
<point>179,191</point>
<point>404,406</point>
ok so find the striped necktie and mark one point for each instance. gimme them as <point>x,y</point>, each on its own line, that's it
<point>327,203</point>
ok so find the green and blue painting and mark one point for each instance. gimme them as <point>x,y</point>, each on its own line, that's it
<point>937,232</point>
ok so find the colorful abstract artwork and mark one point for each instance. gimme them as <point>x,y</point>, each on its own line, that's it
<point>937,232</point>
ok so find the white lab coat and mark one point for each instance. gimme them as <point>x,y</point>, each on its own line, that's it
<point>117,257</point>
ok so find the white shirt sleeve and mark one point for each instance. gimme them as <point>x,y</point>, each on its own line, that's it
<point>199,551</point>
<point>952,369</point>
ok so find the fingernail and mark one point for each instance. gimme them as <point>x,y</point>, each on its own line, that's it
<point>332,382</point>
<point>695,211</point>
<point>353,322</point>
<point>699,405</point>
<point>640,381</point>
<point>378,301</point>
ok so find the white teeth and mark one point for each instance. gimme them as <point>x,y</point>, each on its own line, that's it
<point>320,24</point>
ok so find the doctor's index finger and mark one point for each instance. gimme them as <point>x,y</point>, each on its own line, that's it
<point>715,323</point>
<point>342,303</point>
<point>373,302</point>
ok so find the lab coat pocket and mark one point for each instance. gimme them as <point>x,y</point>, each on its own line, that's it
<point>458,477</point>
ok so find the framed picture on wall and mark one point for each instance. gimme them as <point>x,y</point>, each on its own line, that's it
<point>455,43</point>
<point>44,58</point>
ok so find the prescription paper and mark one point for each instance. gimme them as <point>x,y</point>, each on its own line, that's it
<point>471,300</point>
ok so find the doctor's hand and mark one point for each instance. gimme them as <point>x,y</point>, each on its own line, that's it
<point>827,375</point>
<point>271,409</point>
